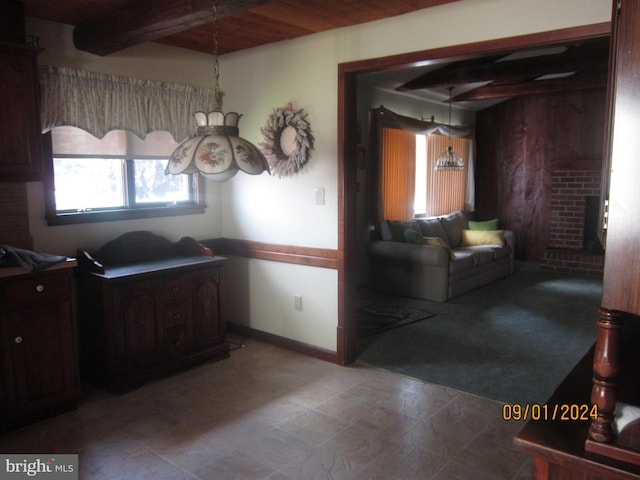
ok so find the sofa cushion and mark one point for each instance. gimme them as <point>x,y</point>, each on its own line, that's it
<point>482,237</point>
<point>391,231</point>
<point>484,225</point>
<point>453,224</point>
<point>500,252</point>
<point>431,227</point>
<point>463,261</point>
<point>481,257</point>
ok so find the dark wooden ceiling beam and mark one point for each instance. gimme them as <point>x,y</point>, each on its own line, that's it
<point>575,82</point>
<point>574,59</point>
<point>148,20</point>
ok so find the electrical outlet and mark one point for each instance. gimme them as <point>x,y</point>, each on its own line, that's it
<point>297,302</point>
<point>320,196</point>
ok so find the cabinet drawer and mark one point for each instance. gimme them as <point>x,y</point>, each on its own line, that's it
<point>35,289</point>
<point>177,315</point>
<point>174,288</point>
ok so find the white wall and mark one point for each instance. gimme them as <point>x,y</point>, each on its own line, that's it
<point>303,71</point>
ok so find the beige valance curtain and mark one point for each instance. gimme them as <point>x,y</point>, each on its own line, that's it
<point>99,103</point>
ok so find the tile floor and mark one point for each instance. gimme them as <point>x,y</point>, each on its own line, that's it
<point>268,413</point>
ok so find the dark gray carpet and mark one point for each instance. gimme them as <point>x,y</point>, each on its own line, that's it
<point>513,340</point>
<point>374,318</point>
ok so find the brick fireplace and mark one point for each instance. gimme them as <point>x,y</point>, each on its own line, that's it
<point>572,245</point>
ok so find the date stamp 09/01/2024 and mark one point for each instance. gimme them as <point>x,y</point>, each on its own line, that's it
<point>560,411</point>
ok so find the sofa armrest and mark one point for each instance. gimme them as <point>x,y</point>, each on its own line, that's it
<point>408,253</point>
<point>509,239</point>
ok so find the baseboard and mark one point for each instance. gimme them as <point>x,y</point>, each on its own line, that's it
<point>286,343</point>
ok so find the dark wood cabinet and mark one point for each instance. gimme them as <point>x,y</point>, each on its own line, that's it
<point>145,319</point>
<point>20,129</point>
<point>38,344</point>
<point>609,377</point>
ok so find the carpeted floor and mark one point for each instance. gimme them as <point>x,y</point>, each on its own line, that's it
<point>374,318</point>
<point>513,341</point>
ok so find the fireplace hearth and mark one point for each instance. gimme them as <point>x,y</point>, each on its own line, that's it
<point>573,245</point>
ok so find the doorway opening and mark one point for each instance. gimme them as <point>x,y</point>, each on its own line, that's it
<point>348,153</point>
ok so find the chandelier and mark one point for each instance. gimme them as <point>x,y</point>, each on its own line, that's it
<point>449,160</point>
<point>216,150</point>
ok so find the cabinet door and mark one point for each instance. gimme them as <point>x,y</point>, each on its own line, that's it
<point>141,335</point>
<point>43,346</point>
<point>20,144</point>
<point>208,325</point>
<point>7,382</point>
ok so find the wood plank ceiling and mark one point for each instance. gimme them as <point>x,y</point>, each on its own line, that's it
<point>107,26</point>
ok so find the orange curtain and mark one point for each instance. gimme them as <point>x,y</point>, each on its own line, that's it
<point>445,188</point>
<point>398,174</point>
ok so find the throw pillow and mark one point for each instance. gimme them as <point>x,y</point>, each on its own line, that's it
<point>439,242</point>
<point>431,227</point>
<point>485,225</point>
<point>411,236</point>
<point>453,225</point>
<point>482,237</point>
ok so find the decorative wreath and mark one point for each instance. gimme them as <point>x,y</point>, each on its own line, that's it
<point>288,140</point>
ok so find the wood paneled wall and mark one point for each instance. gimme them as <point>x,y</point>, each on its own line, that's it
<point>519,143</point>
<point>14,218</point>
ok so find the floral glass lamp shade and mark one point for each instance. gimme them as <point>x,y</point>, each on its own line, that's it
<point>449,160</point>
<point>217,151</point>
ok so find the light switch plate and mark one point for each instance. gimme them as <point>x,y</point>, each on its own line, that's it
<point>320,196</point>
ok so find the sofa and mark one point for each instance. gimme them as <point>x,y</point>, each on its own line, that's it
<point>438,258</point>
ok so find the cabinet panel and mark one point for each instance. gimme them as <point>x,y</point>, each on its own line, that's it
<point>137,309</point>
<point>207,307</point>
<point>44,357</point>
<point>20,145</point>
<point>39,373</point>
<point>622,256</point>
<point>7,382</point>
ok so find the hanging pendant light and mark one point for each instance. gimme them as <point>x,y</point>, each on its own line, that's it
<point>449,160</point>
<point>217,151</point>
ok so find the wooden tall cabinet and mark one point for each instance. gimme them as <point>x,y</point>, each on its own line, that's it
<point>38,344</point>
<point>621,283</point>
<point>20,129</point>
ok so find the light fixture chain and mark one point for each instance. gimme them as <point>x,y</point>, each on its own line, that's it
<point>217,93</point>
<point>449,131</point>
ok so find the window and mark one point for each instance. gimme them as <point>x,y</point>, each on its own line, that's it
<point>438,192</point>
<point>116,177</point>
<point>411,187</point>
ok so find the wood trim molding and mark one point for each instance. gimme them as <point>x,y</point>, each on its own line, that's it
<point>314,257</point>
<point>469,50</point>
<point>286,343</point>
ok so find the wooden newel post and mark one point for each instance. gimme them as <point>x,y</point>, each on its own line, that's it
<point>605,374</point>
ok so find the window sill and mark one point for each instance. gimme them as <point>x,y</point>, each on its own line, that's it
<point>124,214</point>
